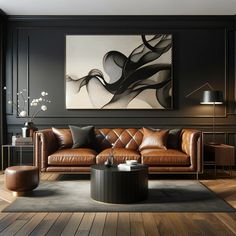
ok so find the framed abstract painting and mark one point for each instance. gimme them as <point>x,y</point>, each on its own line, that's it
<point>119,72</point>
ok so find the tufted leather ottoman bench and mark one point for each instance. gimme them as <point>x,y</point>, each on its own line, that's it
<point>21,179</point>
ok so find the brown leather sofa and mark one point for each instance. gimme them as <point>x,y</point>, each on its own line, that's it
<point>126,141</point>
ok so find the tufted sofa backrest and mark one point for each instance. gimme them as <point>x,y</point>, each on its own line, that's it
<point>129,138</point>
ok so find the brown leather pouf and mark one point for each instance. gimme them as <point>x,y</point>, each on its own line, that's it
<point>21,179</point>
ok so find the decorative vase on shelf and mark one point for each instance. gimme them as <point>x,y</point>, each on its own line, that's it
<point>28,129</point>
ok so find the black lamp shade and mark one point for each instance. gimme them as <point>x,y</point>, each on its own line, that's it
<point>212,97</point>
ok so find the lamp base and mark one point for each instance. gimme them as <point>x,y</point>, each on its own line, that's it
<point>213,143</point>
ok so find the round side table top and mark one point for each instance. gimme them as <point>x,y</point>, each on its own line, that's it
<point>116,169</point>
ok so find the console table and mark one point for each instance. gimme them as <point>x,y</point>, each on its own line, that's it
<point>112,185</point>
<point>219,155</point>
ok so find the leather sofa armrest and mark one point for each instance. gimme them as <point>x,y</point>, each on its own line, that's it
<point>45,143</point>
<point>191,143</point>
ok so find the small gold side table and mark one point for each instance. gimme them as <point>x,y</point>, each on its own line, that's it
<point>9,148</point>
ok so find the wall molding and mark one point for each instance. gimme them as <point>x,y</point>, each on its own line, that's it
<point>183,22</point>
<point>3,127</point>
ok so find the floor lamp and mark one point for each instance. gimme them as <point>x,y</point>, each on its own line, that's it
<point>210,97</point>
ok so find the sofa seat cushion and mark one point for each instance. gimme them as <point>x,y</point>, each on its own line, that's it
<point>161,157</point>
<point>120,155</point>
<point>73,157</point>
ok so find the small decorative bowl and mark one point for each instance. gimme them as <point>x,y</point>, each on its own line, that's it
<point>131,162</point>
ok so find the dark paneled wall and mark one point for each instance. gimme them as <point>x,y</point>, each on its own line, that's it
<point>3,21</point>
<point>203,51</point>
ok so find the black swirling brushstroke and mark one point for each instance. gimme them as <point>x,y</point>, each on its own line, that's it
<point>129,76</point>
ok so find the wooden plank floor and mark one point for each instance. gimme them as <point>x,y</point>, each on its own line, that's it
<point>122,224</point>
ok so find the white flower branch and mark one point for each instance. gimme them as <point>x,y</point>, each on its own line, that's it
<point>38,104</point>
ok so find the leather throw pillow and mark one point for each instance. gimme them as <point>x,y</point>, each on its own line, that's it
<point>64,137</point>
<point>82,136</point>
<point>154,139</point>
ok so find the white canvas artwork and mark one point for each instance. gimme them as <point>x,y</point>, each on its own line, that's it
<point>119,72</point>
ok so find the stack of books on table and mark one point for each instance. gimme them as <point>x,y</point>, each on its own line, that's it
<point>23,141</point>
<point>128,167</point>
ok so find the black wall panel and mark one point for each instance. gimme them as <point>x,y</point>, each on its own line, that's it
<point>203,51</point>
<point>3,21</point>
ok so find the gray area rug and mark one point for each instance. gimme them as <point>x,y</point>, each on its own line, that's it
<point>164,196</point>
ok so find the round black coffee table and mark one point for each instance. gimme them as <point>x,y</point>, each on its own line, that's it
<point>112,185</point>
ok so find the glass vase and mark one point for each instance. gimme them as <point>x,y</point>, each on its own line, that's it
<point>28,129</point>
